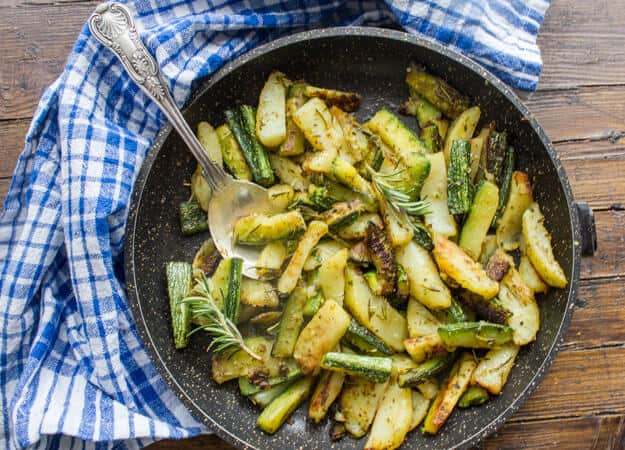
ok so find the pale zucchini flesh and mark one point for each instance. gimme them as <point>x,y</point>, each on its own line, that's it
<point>207,136</point>
<point>279,410</point>
<point>261,229</point>
<point>288,172</point>
<point>478,222</point>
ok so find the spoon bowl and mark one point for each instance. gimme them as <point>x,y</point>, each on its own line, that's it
<point>237,199</point>
<point>113,25</point>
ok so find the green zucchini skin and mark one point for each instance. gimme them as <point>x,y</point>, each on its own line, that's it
<point>459,186</point>
<point>274,415</point>
<point>475,334</point>
<point>179,281</point>
<point>328,192</point>
<point>457,313</point>
<point>431,138</point>
<point>497,149</point>
<point>342,214</point>
<point>490,310</point>
<point>373,368</point>
<point>506,179</point>
<point>247,388</point>
<point>193,219</point>
<point>436,91</point>
<point>364,340</point>
<point>242,122</point>
<point>474,396</point>
<point>313,304</point>
<point>232,301</point>
<point>431,367</point>
<point>422,235</point>
<point>264,397</point>
<point>290,324</point>
<point>375,157</point>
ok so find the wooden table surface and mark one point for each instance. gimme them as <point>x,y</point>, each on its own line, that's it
<point>580,103</point>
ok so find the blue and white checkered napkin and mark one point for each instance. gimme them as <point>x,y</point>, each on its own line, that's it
<point>72,368</point>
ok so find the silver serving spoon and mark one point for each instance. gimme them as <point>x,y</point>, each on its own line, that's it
<point>113,25</point>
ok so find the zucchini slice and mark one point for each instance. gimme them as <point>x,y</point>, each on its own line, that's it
<point>365,341</point>
<point>232,154</point>
<point>415,376</point>
<point>459,186</point>
<point>426,347</point>
<point>347,101</point>
<point>319,127</point>
<point>193,219</point>
<point>288,172</point>
<point>374,368</point>
<point>474,396</point>
<point>261,229</point>
<point>179,281</point>
<point>478,222</point>
<point>290,324</point>
<point>232,301</point>
<point>475,335</point>
<point>279,410</point>
<point>436,91</point>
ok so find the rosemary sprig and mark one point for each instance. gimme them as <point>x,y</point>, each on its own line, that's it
<point>392,187</point>
<point>226,335</point>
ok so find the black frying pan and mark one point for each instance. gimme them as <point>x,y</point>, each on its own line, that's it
<point>372,62</point>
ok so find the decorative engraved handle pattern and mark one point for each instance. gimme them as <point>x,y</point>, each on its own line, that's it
<point>113,26</point>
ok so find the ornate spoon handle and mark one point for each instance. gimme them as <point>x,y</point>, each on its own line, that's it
<point>113,25</point>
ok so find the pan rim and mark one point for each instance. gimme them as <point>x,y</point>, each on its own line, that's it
<point>329,33</point>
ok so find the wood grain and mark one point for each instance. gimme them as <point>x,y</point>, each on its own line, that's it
<point>34,44</point>
<point>581,44</point>
<point>609,261</point>
<point>606,432</point>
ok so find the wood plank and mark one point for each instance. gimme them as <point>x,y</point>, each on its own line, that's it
<point>36,41</point>
<point>12,134</point>
<point>609,260</point>
<point>581,43</point>
<point>599,182</point>
<point>605,148</point>
<point>579,383</point>
<point>206,442</point>
<point>4,187</point>
<point>598,432</point>
<point>599,317</point>
<point>581,113</point>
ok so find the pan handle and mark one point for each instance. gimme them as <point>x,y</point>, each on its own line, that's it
<point>587,228</point>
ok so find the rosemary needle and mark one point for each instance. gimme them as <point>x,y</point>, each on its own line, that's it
<point>390,186</point>
<point>226,335</point>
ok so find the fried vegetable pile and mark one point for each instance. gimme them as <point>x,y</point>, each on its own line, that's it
<point>403,266</point>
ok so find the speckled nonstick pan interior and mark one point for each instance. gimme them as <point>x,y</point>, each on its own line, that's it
<point>373,63</point>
